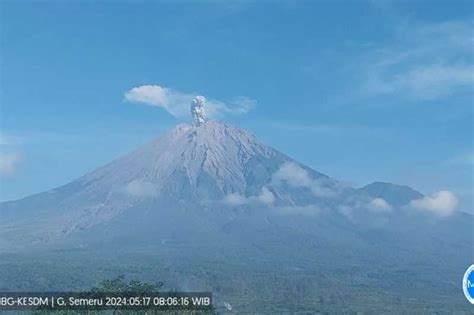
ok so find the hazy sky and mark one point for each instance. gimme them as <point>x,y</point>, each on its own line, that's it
<point>361,91</point>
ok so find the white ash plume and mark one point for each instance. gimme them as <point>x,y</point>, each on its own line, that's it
<point>198,111</point>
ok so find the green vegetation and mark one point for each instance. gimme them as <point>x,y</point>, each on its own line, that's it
<point>257,286</point>
<point>119,284</point>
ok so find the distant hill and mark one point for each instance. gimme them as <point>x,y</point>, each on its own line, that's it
<point>397,195</point>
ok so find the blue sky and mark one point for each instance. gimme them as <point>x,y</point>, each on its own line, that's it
<point>362,91</point>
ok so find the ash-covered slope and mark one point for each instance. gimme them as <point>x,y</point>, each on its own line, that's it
<point>214,165</point>
<point>208,180</point>
<point>188,163</point>
<point>211,199</point>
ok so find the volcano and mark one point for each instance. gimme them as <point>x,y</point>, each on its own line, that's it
<point>212,192</point>
<point>209,171</point>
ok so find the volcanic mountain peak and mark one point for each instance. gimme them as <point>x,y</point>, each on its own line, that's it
<point>212,151</point>
<point>206,170</point>
<point>189,166</point>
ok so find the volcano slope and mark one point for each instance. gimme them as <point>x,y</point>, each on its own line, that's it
<point>211,208</point>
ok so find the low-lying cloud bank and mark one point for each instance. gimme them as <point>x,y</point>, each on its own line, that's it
<point>264,197</point>
<point>295,176</point>
<point>442,203</point>
<point>177,103</point>
<point>379,205</point>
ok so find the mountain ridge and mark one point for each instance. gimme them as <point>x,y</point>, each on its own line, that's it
<point>213,167</point>
<point>397,195</point>
<point>213,206</point>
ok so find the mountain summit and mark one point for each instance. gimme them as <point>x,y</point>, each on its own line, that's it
<point>203,174</point>
<point>396,195</point>
<point>205,165</point>
<point>210,191</point>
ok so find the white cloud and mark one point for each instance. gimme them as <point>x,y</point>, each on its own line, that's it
<point>177,103</point>
<point>264,197</point>
<point>9,163</point>
<point>425,82</point>
<point>235,199</point>
<point>141,189</point>
<point>441,203</point>
<point>295,176</point>
<point>423,63</point>
<point>379,204</point>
